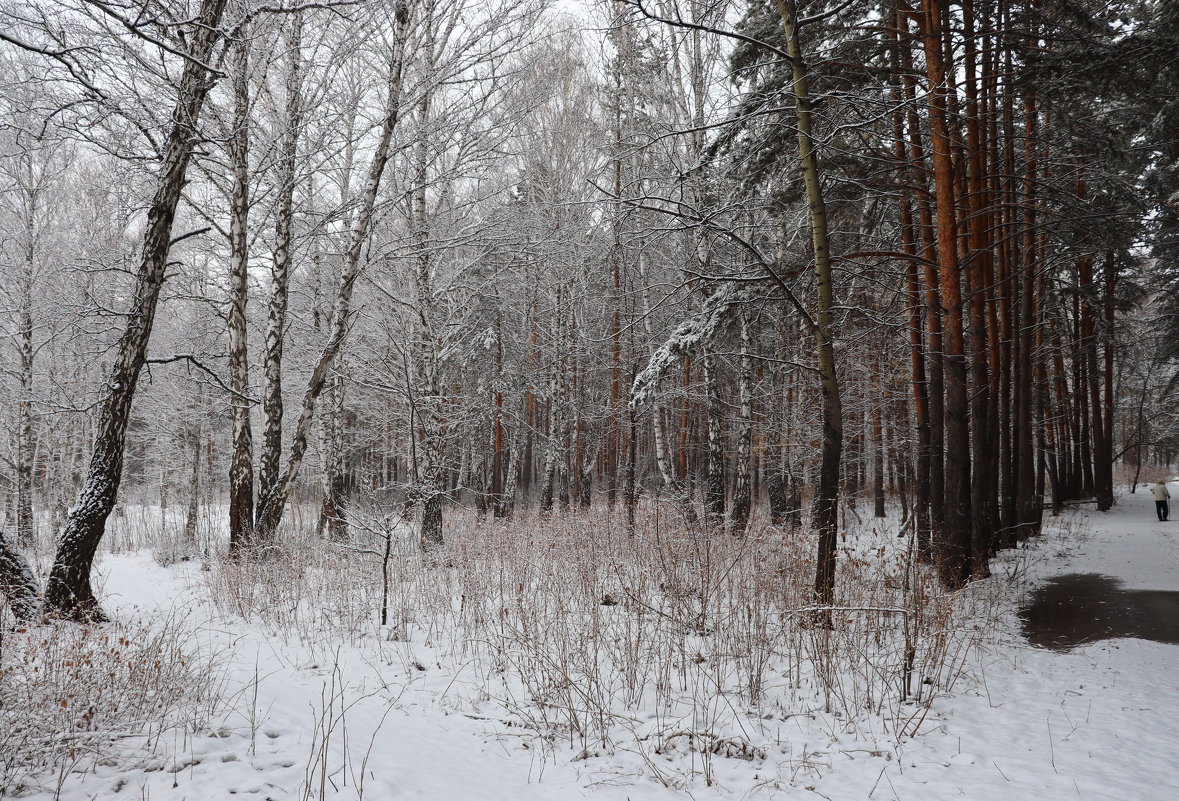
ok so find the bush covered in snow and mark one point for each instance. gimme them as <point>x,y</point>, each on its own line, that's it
<point>72,697</point>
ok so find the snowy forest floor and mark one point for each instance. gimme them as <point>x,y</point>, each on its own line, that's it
<point>291,709</point>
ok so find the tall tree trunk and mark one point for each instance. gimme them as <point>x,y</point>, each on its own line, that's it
<point>192,513</point>
<point>979,257</point>
<point>506,502</point>
<point>25,527</point>
<point>622,67</point>
<point>953,549</point>
<point>901,465</point>
<point>548,487</point>
<point>280,268</point>
<point>334,509</point>
<point>997,419</point>
<point>714,489</point>
<point>1010,303</point>
<point>193,440</point>
<point>1025,461</point>
<point>1062,453</point>
<point>743,492</point>
<point>778,471</point>
<point>630,485</point>
<point>925,244</point>
<point>921,408</point>
<point>1105,490</point>
<point>878,445</point>
<point>274,500</point>
<point>826,508</point>
<point>1085,362</point>
<point>241,465</point>
<point>920,386</point>
<point>1041,382</point>
<point>31,191</point>
<point>426,338</point>
<point>68,592</point>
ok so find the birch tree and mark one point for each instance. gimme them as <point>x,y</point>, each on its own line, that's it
<point>34,162</point>
<point>68,592</point>
<point>273,499</point>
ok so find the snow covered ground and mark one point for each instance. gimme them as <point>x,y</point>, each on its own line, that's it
<point>323,721</point>
<point>1100,721</point>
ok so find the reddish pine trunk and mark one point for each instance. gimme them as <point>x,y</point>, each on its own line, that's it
<point>953,548</point>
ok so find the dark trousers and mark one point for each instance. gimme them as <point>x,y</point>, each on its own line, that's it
<point>1163,509</point>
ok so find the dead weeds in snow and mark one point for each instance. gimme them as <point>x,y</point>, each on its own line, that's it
<point>666,642</point>
<point>75,697</point>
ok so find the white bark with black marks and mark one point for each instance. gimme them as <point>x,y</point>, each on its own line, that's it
<point>270,457</point>
<point>241,466</point>
<point>743,492</point>
<point>25,528</point>
<point>273,501</point>
<point>334,510</point>
<point>714,483</point>
<point>68,592</point>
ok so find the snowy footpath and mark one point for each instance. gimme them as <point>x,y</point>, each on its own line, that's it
<point>1098,722</point>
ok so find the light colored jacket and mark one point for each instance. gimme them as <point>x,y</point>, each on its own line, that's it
<point>1159,491</point>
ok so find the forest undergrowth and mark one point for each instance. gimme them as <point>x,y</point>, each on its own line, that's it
<point>581,640</point>
<point>73,698</point>
<point>673,644</point>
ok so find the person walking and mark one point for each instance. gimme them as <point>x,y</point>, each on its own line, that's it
<point>1160,493</point>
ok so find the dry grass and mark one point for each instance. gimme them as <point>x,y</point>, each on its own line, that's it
<point>72,697</point>
<point>679,646</point>
<point>667,641</point>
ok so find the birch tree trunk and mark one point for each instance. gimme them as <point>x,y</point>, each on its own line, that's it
<point>555,424</point>
<point>1105,487</point>
<point>25,527</point>
<point>505,503</point>
<point>68,592</point>
<point>334,510</point>
<point>630,497</point>
<point>191,514</point>
<point>714,486</point>
<point>241,466</point>
<point>31,184</point>
<point>426,378</point>
<point>779,465</point>
<point>273,502</point>
<point>280,268</point>
<point>194,437</point>
<point>496,478</point>
<point>743,492</point>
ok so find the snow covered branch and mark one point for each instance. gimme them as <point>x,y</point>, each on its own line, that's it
<point>691,335</point>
